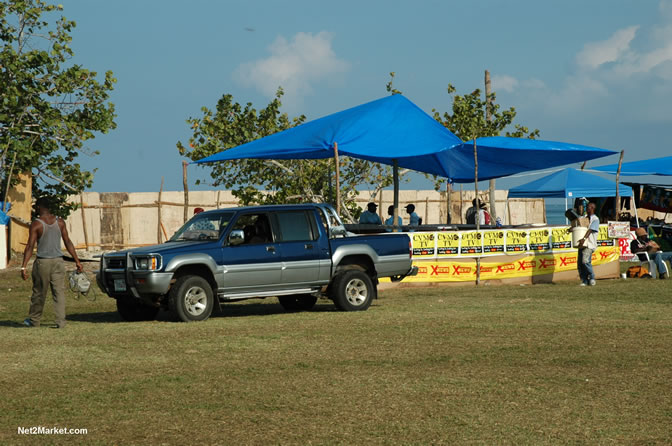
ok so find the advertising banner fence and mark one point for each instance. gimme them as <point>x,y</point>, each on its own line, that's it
<point>449,256</point>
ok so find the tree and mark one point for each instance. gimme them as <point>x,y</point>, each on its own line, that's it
<point>49,106</point>
<point>468,119</point>
<point>286,181</point>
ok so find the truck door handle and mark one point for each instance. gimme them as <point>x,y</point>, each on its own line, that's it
<point>308,246</point>
<point>270,249</point>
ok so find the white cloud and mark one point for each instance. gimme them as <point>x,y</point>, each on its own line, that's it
<point>614,48</point>
<point>503,82</point>
<point>295,65</point>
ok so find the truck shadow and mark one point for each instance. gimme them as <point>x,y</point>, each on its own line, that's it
<point>228,310</point>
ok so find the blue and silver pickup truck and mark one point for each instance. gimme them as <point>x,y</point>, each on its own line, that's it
<point>294,252</point>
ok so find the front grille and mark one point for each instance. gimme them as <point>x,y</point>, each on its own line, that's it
<point>116,262</point>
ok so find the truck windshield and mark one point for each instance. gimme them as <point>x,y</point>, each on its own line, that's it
<point>204,226</point>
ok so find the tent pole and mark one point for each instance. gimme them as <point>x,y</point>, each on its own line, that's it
<point>478,211</point>
<point>617,204</point>
<point>338,180</point>
<point>395,180</point>
<point>566,220</point>
<point>635,206</point>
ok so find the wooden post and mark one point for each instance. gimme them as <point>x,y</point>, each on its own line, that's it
<point>488,117</point>
<point>158,226</point>
<point>478,211</point>
<point>338,180</point>
<point>617,204</point>
<point>186,191</point>
<point>449,202</point>
<point>461,205</point>
<point>218,201</point>
<point>86,234</point>
<point>395,180</point>
<point>380,206</point>
<point>426,220</point>
<point>9,181</point>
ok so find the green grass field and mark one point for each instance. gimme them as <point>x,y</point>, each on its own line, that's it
<point>540,364</point>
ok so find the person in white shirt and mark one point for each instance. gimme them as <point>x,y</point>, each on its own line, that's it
<point>587,246</point>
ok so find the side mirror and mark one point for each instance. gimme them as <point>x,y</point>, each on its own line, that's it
<point>236,237</point>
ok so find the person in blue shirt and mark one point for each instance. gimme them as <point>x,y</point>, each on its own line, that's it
<point>390,221</point>
<point>370,217</point>
<point>414,219</point>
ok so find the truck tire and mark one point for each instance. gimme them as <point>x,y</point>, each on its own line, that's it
<point>297,302</point>
<point>352,290</point>
<point>132,310</point>
<point>191,299</point>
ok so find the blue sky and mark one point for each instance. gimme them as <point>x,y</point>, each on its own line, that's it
<point>595,73</point>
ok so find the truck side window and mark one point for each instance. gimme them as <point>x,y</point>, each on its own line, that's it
<point>256,227</point>
<point>295,226</point>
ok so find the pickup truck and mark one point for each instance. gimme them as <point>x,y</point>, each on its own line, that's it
<point>296,253</point>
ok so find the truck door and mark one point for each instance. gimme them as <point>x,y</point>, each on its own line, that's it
<point>298,241</point>
<point>254,265</point>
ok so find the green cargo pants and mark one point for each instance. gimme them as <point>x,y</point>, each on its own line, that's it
<point>48,273</point>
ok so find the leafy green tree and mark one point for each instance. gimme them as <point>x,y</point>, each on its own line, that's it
<point>49,106</point>
<point>468,117</point>
<point>253,181</point>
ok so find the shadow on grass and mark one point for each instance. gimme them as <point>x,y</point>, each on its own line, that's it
<point>237,309</point>
<point>14,324</point>
<point>107,316</point>
<point>263,309</point>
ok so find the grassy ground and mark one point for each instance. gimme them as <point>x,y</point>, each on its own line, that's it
<point>541,364</point>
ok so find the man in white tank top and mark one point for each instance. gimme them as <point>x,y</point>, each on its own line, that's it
<point>48,269</point>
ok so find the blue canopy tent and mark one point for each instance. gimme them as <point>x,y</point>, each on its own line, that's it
<point>569,183</point>
<point>655,166</point>
<point>394,131</point>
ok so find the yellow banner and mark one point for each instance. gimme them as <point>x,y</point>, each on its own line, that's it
<point>423,244</point>
<point>493,242</point>
<point>463,270</point>
<point>516,241</point>
<point>447,243</point>
<point>472,243</point>
<point>539,240</point>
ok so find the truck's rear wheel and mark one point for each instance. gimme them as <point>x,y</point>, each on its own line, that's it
<point>352,290</point>
<point>132,310</point>
<point>297,302</point>
<point>191,298</point>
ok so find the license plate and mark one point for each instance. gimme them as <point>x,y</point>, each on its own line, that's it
<point>119,285</point>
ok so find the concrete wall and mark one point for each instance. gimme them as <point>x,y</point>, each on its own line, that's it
<point>119,220</point>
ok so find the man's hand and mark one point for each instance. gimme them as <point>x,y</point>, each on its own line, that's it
<point>24,274</point>
<point>80,268</point>
<point>581,242</point>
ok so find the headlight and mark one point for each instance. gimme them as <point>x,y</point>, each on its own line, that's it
<point>150,263</point>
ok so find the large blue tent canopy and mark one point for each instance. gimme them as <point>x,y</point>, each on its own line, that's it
<point>394,129</point>
<point>655,166</point>
<point>568,183</point>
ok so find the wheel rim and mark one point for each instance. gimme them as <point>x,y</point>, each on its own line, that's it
<point>195,301</point>
<point>356,292</point>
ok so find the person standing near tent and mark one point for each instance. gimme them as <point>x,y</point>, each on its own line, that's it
<point>48,269</point>
<point>413,218</point>
<point>587,246</point>
<point>369,216</point>
<point>390,220</point>
<point>477,208</point>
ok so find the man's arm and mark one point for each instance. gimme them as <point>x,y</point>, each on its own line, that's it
<point>33,235</point>
<point>68,244</point>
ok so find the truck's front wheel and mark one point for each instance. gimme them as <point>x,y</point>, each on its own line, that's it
<point>191,298</point>
<point>352,290</point>
<point>132,310</point>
